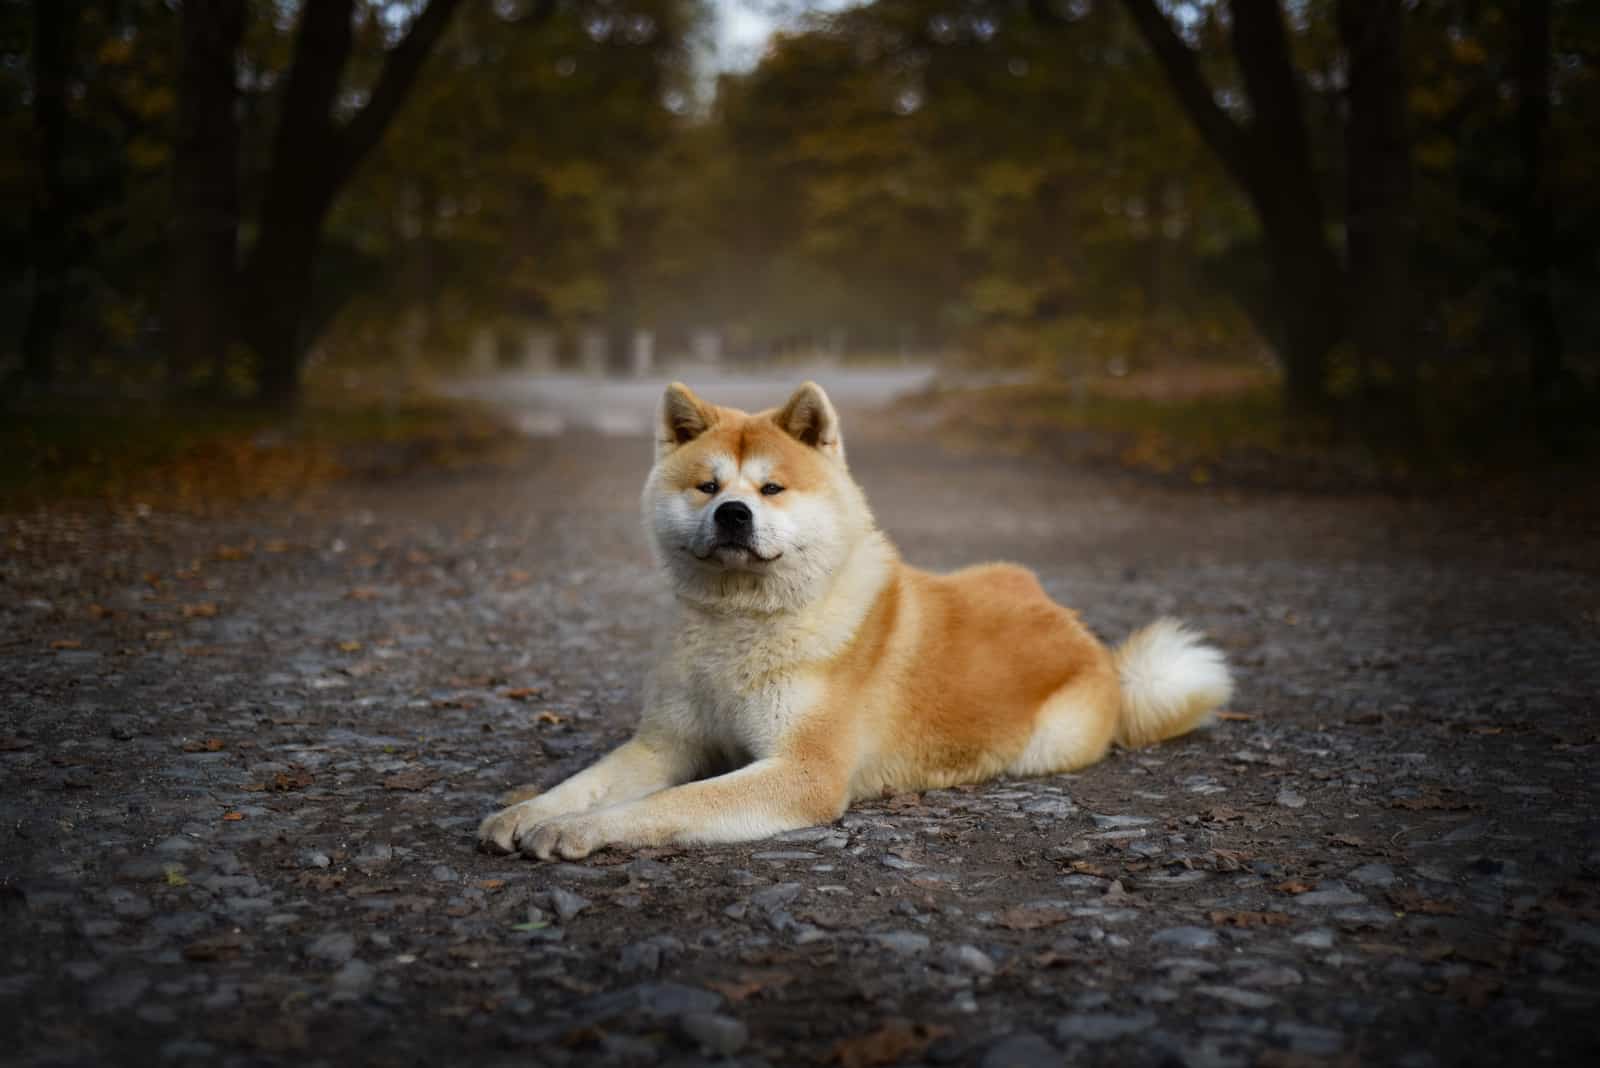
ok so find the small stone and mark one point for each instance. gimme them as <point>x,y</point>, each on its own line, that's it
<point>1118,823</point>
<point>1290,799</point>
<point>442,873</point>
<point>651,871</point>
<point>1186,938</point>
<point>1273,975</point>
<point>177,844</point>
<point>714,1032</point>
<point>1312,1041</point>
<point>335,946</point>
<point>775,897</point>
<point>889,860</point>
<point>1245,999</point>
<point>1024,1050</point>
<point>1316,938</point>
<point>354,979</point>
<point>1332,894</point>
<point>905,943</point>
<point>971,958</point>
<point>1102,1026</point>
<point>317,859</point>
<point>1380,875</point>
<point>567,904</point>
<point>1052,807</point>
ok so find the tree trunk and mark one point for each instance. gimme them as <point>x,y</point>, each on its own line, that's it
<point>1536,265</point>
<point>1270,159</point>
<point>206,190</point>
<point>1380,225</point>
<point>313,159</point>
<point>49,239</point>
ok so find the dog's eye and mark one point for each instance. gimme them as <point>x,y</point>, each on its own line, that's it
<point>708,488</point>
<point>771,489</point>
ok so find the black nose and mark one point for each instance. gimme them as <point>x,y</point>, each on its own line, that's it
<point>734,517</point>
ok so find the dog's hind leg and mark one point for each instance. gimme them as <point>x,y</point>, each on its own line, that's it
<point>638,767</point>
<point>1073,727</point>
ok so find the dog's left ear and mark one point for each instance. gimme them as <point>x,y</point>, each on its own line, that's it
<point>809,418</point>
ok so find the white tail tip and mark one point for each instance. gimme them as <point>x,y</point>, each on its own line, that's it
<point>1172,682</point>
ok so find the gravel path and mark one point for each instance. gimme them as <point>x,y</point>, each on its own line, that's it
<point>241,763</point>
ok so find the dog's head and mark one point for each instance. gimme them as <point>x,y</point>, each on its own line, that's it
<point>751,511</point>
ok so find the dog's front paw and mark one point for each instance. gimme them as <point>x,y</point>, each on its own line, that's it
<point>500,832</point>
<point>567,837</point>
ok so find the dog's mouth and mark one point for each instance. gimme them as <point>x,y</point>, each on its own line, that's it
<point>732,552</point>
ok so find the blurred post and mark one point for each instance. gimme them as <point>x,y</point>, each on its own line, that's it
<point>644,352</point>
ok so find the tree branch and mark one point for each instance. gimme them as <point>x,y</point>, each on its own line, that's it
<point>400,69</point>
<point>1221,134</point>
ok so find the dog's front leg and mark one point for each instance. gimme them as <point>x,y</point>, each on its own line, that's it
<point>640,766</point>
<point>767,797</point>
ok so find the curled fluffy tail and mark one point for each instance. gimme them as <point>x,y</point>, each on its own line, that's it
<point>1171,683</point>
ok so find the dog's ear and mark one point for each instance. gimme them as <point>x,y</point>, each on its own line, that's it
<point>682,418</point>
<point>809,418</point>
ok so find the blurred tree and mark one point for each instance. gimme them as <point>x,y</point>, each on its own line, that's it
<point>314,155</point>
<point>202,307</point>
<point>49,237</point>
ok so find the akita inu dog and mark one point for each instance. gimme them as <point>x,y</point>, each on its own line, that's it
<point>808,666</point>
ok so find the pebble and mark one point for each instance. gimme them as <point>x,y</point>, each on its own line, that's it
<point>1102,1026</point>
<point>354,979</point>
<point>1290,799</point>
<point>1022,1050</point>
<point>971,958</point>
<point>1379,875</point>
<point>567,904</point>
<point>1245,999</point>
<point>1331,894</point>
<point>1186,938</point>
<point>903,942</point>
<point>775,897</point>
<point>1316,938</point>
<point>714,1032</point>
<point>335,946</point>
<point>1117,823</point>
<point>1312,1041</point>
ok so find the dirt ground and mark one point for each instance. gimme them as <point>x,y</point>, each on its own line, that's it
<point>242,760</point>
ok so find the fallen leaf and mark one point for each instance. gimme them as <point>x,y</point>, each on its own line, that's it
<point>550,717</point>
<point>233,817</point>
<point>1221,814</point>
<point>748,984</point>
<point>896,1040</point>
<point>296,778</point>
<point>100,611</point>
<point>1227,860</point>
<point>1411,901</point>
<point>1026,918</point>
<point>66,643</point>
<point>1294,886</point>
<point>1247,918</point>
<point>1085,867</point>
<point>1236,717</point>
<point>362,593</point>
<point>489,884</point>
<point>523,693</point>
<point>10,743</point>
<point>233,552</point>
<point>1350,840</point>
<point>202,610</point>
<point>209,745</point>
<point>411,779</point>
<point>350,647</point>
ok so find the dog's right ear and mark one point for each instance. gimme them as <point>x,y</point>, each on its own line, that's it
<point>683,417</point>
